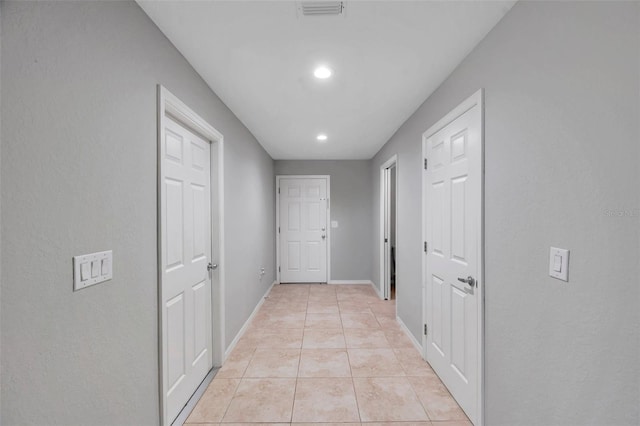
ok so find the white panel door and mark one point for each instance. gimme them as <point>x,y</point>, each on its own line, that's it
<point>453,185</point>
<point>186,253</point>
<point>303,230</point>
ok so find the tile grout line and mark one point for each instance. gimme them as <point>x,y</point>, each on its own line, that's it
<point>419,399</point>
<point>353,383</point>
<point>235,391</point>
<point>295,386</point>
<point>244,371</point>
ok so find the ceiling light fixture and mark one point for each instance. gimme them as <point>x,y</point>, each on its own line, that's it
<point>321,137</point>
<point>322,72</point>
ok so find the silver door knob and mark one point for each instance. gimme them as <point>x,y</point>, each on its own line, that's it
<point>324,236</point>
<point>212,266</point>
<point>469,280</point>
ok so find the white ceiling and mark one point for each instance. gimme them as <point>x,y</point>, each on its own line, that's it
<point>387,57</point>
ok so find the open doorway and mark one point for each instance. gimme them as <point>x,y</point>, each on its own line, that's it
<point>388,225</point>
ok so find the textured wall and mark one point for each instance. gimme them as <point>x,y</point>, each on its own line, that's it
<point>350,204</point>
<point>0,217</point>
<point>79,175</point>
<point>561,84</point>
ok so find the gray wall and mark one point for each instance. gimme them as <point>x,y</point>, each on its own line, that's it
<point>561,82</point>
<point>0,217</point>
<point>79,175</point>
<point>350,206</point>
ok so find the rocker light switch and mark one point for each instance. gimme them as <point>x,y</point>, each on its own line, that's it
<point>85,271</point>
<point>559,263</point>
<point>95,268</point>
<point>90,269</point>
<point>104,266</point>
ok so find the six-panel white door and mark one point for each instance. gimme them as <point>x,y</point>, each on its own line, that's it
<point>303,230</point>
<point>453,186</point>
<point>186,252</point>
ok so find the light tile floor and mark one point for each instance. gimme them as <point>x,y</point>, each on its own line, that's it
<point>326,354</point>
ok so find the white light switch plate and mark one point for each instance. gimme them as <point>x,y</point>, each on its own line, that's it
<point>559,263</point>
<point>90,269</point>
<point>334,223</point>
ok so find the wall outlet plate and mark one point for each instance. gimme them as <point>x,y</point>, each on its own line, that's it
<point>559,263</point>
<point>91,269</point>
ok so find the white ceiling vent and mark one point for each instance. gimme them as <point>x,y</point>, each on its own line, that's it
<point>320,8</point>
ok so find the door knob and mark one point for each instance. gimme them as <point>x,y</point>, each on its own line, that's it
<point>324,236</point>
<point>212,266</point>
<point>469,280</point>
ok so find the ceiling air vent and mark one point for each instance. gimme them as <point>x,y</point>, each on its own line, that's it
<point>321,8</point>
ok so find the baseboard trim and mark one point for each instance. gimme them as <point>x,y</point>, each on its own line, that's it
<point>349,282</point>
<point>378,292</point>
<point>233,344</point>
<point>191,404</point>
<point>404,328</point>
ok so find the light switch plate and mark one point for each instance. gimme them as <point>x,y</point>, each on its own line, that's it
<point>559,263</point>
<point>91,269</point>
<point>334,223</point>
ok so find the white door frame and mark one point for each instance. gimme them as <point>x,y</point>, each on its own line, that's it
<point>385,283</point>
<point>328,178</point>
<point>477,99</point>
<point>168,104</point>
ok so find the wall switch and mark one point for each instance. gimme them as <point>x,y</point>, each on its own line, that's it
<point>334,223</point>
<point>105,266</point>
<point>95,268</point>
<point>90,269</point>
<point>85,271</point>
<point>559,263</point>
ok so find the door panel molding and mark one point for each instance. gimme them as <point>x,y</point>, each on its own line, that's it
<point>454,248</point>
<point>278,224</point>
<point>172,110</point>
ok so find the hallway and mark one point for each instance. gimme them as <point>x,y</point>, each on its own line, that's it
<point>326,354</point>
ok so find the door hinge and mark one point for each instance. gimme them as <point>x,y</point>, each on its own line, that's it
<point>278,269</point>
<point>425,163</point>
<point>425,246</point>
<point>386,240</point>
<point>425,329</point>
<point>278,229</point>
<point>278,190</point>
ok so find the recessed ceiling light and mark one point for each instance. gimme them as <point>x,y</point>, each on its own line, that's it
<point>321,137</point>
<point>322,72</point>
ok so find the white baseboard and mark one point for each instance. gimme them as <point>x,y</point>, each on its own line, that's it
<point>347,282</point>
<point>376,290</point>
<point>193,401</point>
<point>233,344</point>
<point>410,335</point>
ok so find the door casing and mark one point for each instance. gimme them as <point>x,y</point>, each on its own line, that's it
<point>477,99</point>
<point>385,253</point>
<point>169,104</point>
<point>328,243</point>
